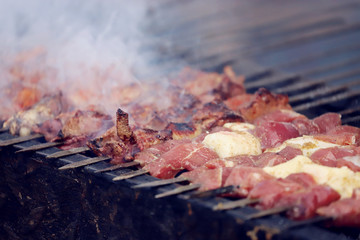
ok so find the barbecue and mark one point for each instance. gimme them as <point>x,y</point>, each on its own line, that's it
<point>173,168</point>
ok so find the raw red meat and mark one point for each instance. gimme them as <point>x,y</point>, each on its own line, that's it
<point>338,157</point>
<point>247,178</point>
<point>184,156</point>
<point>273,134</point>
<point>345,212</point>
<point>327,121</point>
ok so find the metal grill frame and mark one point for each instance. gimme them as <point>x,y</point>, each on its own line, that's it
<point>82,204</point>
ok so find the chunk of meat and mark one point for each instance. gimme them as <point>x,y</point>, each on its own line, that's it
<point>338,157</point>
<point>345,212</point>
<point>306,126</point>
<point>83,126</point>
<point>289,153</point>
<point>215,114</point>
<point>50,128</point>
<point>272,134</point>
<point>305,203</point>
<point>23,122</point>
<point>27,97</point>
<point>210,86</point>
<point>146,138</point>
<point>270,191</point>
<point>247,178</point>
<point>280,115</point>
<point>342,135</point>
<point>154,152</point>
<point>185,156</point>
<point>208,178</point>
<point>183,130</point>
<point>261,103</point>
<point>327,121</point>
<point>235,102</point>
<point>109,144</point>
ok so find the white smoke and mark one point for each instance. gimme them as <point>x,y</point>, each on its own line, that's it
<point>93,45</point>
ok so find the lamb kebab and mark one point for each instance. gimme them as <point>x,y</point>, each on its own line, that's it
<point>271,133</point>
<point>218,175</point>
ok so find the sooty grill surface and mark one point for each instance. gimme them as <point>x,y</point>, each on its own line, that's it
<point>40,202</point>
<point>306,49</point>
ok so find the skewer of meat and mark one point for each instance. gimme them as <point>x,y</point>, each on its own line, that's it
<point>223,142</point>
<point>345,212</point>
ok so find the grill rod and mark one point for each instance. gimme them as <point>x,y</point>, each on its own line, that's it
<point>16,140</point>
<point>306,74</point>
<point>326,90</point>
<point>324,101</point>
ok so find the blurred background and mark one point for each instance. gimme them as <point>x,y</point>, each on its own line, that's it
<point>274,44</point>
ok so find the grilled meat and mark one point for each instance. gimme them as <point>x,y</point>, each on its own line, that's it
<point>258,104</point>
<point>23,122</point>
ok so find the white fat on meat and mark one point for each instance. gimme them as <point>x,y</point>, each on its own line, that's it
<point>239,127</point>
<point>307,144</point>
<point>230,144</point>
<point>342,180</point>
<point>353,159</point>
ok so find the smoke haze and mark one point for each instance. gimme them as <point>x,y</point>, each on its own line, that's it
<point>73,45</point>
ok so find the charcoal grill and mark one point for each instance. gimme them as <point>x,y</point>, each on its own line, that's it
<point>306,49</point>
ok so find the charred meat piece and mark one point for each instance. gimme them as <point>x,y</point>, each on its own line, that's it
<point>215,114</point>
<point>210,86</point>
<point>48,108</point>
<point>50,128</point>
<point>183,130</point>
<point>81,127</point>
<point>109,144</point>
<point>146,138</point>
<point>123,129</point>
<point>258,104</point>
<point>121,142</point>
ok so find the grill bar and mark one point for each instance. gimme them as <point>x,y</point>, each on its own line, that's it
<point>268,212</point>
<point>178,190</point>
<point>324,101</point>
<point>212,193</point>
<point>213,58</point>
<point>350,110</point>
<point>311,221</point>
<point>84,163</point>
<point>351,120</point>
<point>332,52</point>
<point>16,140</point>
<point>322,91</point>
<point>69,152</point>
<point>118,166</point>
<point>161,182</point>
<point>235,204</point>
<point>317,82</point>
<point>130,174</point>
<point>39,147</point>
<point>215,39</point>
<point>4,130</point>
